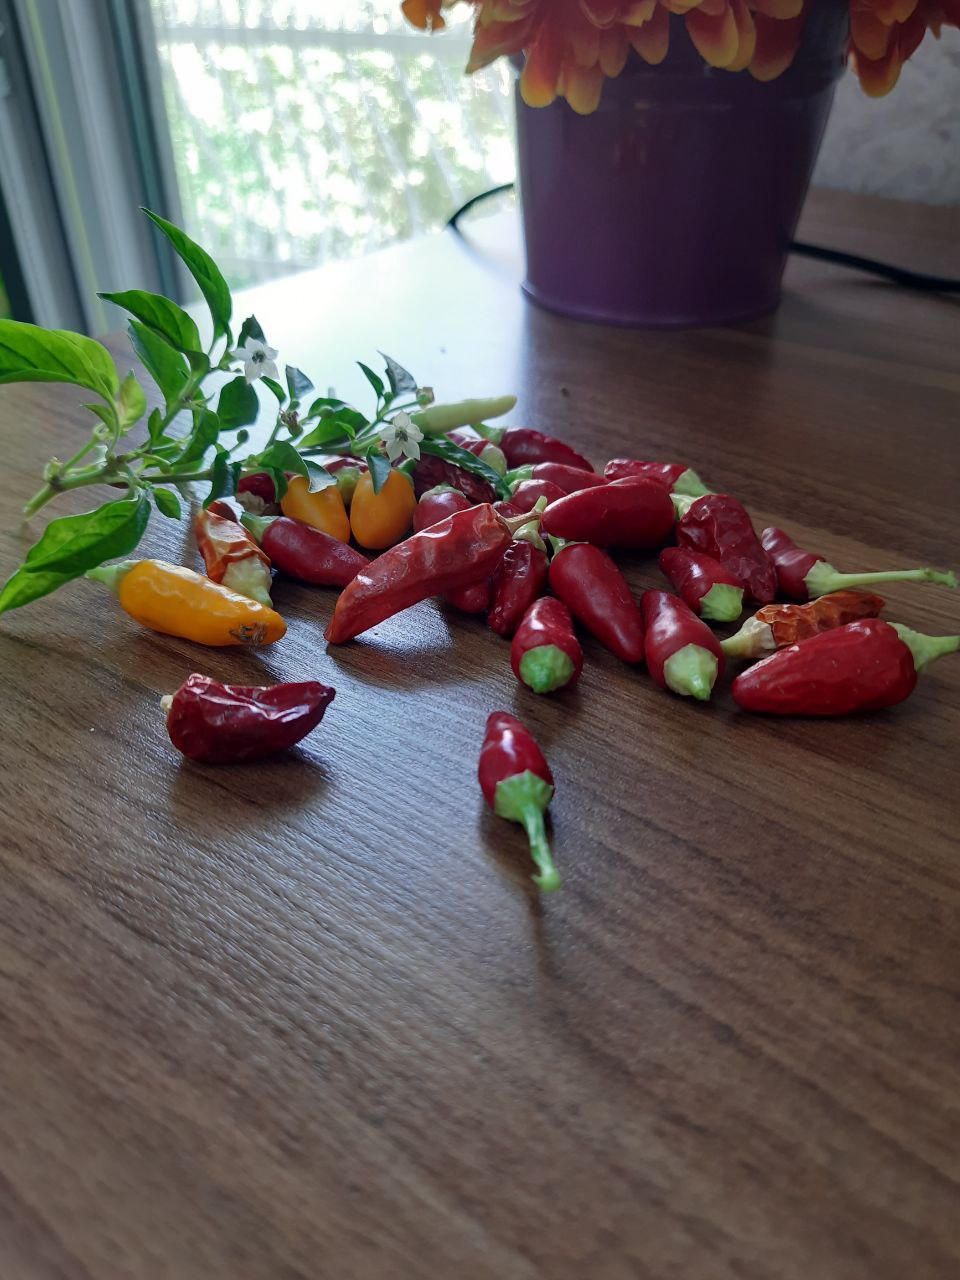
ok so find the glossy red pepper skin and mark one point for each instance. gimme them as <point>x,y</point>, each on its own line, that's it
<point>694,574</point>
<point>473,598</point>
<point>720,526</point>
<point>227,724</point>
<point>632,514</point>
<point>517,784</point>
<point>430,472</point>
<point>547,623</point>
<point>520,579</point>
<point>259,483</point>
<point>507,510</point>
<point>522,447</point>
<point>665,474</point>
<point>671,626</point>
<point>791,563</point>
<point>456,552</point>
<point>569,479</point>
<point>305,553</point>
<point>598,595</point>
<point>863,666</point>
<point>436,504</point>
<point>529,492</point>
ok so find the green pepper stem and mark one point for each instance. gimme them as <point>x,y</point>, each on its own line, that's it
<point>517,476</point>
<point>493,434</point>
<point>257,525</point>
<point>523,798</point>
<point>824,578</point>
<point>547,878</point>
<point>682,502</point>
<point>752,640</point>
<point>925,649</point>
<point>690,485</point>
<point>111,575</point>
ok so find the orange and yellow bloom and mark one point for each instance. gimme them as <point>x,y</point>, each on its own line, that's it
<point>571,46</point>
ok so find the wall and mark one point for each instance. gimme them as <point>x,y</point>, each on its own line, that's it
<point>906,145</point>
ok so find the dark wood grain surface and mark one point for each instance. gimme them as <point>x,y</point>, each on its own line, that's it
<point>307,1020</point>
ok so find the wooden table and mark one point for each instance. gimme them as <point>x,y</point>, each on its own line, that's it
<point>308,1019</point>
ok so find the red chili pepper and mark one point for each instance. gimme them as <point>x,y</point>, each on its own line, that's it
<point>519,580</point>
<point>682,652</point>
<point>703,583</point>
<point>302,552</point>
<point>719,525</point>
<point>674,476</point>
<point>863,666</point>
<point>346,471</point>
<point>529,492</point>
<point>546,654</point>
<point>522,446</point>
<point>634,514</point>
<point>517,784</point>
<point>804,576</point>
<point>430,472</point>
<point>567,479</point>
<point>507,510</point>
<point>231,556</point>
<point>438,503</point>
<point>473,598</point>
<point>228,723</point>
<point>456,552</point>
<point>597,594</point>
<point>777,625</point>
<point>260,484</point>
<point>485,450</point>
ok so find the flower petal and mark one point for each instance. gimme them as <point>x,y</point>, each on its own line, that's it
<point>613,51</point>
<point>582,86</point>
<point>716,38</point>
<point>777,43</point>
<point>747,35</point>
<point>869,35</point>
<point>652,40</point>
<point>778,8</point>
<point>877,76</point>
<point>637,14</point>
<point>541,71</point>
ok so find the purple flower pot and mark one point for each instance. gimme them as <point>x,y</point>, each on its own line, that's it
<point>674,203</point>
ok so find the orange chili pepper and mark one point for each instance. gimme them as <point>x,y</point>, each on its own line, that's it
<point>378,520</point>
<point>178,602</point>
<point>230,554</point>
<point>323,510</point>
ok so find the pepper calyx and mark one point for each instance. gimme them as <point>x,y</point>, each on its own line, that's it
<point>546,668</point>
<point>112,575</point>
<point>691,672</point>
<point>689,484</point>
<point>722,603</point>
<point>925,649</point>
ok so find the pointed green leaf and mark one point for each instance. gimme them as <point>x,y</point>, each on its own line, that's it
<point>131,402</point>
<point>397,375</point>
<point>441,447</point>
<point>298,384</point>
<point>380,468</point>
<point>325,402</point>
<point>31,354</point>
<point>276,388</point>
<point>283,456</point>
<point>373,378</point>
<point>250,329</point>
<point>203,435</point>
<point>168,504</point>
<point>204,270</point>
<point>238,404</point>
<point>164,365</point>
<point>161,315</point>
<point>224,475</point>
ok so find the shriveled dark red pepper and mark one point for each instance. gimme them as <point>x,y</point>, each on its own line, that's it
<point>863,666</point>
<point>803,575</point>
<point>529,492</point>
<point>777,625</point>
<point>703,583</point>
<point>597,594</point>
<point>720,526</point>
<point>230,723</point>
<point>260,484</point>
<point>485,450</point>
<point>682,653</point>
<point>520,579</point>
<point>473,598</point>
<point>568,479</point>
<point>305,553</point>
<point>230,555</point>
<point>456,552</point>
<point>431,471</point>
<point>438,503</point>
<point>676,477</point>
<point>633,514</point>
<point>522,446</point>
<point>545,653</point>
<point>517,784</point>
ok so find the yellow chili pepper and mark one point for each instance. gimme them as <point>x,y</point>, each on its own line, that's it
<point>380,519</point>
<point>178,602</point>
<point>323,510</point>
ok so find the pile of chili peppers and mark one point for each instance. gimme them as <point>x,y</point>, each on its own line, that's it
<point>536,566</point>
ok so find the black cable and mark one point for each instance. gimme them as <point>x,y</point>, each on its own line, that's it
<point>896,275</point>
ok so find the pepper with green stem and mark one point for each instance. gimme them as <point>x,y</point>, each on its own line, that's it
<point>803,575</point>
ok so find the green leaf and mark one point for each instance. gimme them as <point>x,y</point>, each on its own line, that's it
<point>441,447</point>
<point>155,427</point>
<point>164,365</point>
<point>329,432</point>
<point>204,270</point>
<point>283,456</point>
<point>105,413</point>
<point>380,468</point>
<point>397,375</point>
<point>168,504</point>
<point>373,378</point>
<point>70,546</point>
<point>250,329</point>
<point>238,404</point>
<point>347,421</point>
<point>298,384</point>
<point>325,402</point>
<point>276,388</point>
<point>224,475</point>
<point>131,402</point>
<point>31,354</point>
<point>161,315</point>
<point>203,435</point>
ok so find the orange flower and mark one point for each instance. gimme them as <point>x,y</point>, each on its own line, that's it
<point>424,14</point>
<point>885,33</point>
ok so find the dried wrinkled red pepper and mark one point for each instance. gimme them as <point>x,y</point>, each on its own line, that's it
<point>597,594</point>
<point>230,555</point>
<point>632,514</point>
<point>802,575</point>
<point>517,784</point>
<point>703,583</point>
<point>522,446</point>
<point>674,476</point>
<point>720,526</point>
<point>519,580</point>
<point>777,625</point>
<point>473,598</point>
<point>546,654</point>
<point>302,552</point>
<point>431,471</point>
<point>229,723</point>
<point>682,653</point>
<point>863,666</point>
